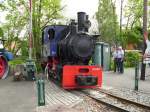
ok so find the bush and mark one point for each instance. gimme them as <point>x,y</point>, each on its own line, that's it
<point>38,66</point>
<point>130,58</point>
<point>16,61</point>
<point>22,60</point>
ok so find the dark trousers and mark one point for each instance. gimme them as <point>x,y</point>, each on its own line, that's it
<point>115,64</point>
<point>120,65</point>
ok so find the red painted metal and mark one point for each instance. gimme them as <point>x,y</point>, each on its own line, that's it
<point>2,66</point>
<point>71,71</point>
<point>52,62</point>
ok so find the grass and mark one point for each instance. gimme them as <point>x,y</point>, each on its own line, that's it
<point>16,61</point>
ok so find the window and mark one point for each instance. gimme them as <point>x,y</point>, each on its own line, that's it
<point>51,34</point>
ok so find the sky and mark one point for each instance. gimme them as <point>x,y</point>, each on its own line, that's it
<point>74,6</point>
<point>1,1</point>
<point>88,6</point>
<point>2,15</point>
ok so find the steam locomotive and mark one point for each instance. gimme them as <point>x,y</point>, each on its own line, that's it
<point>66,52</point>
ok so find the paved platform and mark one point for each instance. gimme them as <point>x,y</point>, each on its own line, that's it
<point>17,96</point>
<point>58,97</point>
<point>21,96</point>
<point>58,108</point>
<point>126,80</point>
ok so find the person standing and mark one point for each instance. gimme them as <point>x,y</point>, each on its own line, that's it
<point>115,58</point>
<point>147,51</point>
<point>120,59</point>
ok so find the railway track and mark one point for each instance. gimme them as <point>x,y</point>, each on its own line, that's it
<point>112,101</point>
<point>118,103</point>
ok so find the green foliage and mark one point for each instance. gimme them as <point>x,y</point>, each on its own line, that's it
<point>24,49</point>
<point>44,13</point>
<point>38,66</point>
<point>131,57</point>
<point>133,36</point>
<point>17,20</point>
<point>14,24</point>
<point>107,21</point>
<point>16,61</point>
<point>1,33</point>
<point>111,64</point>
<point>134,13</point>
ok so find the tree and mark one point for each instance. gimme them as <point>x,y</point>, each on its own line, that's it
<point>1,33</point>
<point>107,21</point>
<point>121,9</point>
<point>132,38</point>
<point>13,26</point>
<point>17,21</point>
<point>133,13</point>
<point>44,12</point>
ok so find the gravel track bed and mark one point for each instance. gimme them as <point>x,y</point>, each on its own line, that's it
<point>139,97</point>
<point>115,101</point>
<point>91,105</point>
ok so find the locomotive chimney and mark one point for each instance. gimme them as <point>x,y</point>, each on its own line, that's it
<point>81,21</point>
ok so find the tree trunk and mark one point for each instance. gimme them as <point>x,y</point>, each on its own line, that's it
<point>36,28</point>
<point>121,8</point>
<point>114,22</point>
<point>144,32</point>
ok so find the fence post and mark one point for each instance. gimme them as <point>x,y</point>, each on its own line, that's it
<point>136,87</point>
<point>41,92</point>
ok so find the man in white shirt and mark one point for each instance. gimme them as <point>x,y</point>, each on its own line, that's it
<point>120,59</point>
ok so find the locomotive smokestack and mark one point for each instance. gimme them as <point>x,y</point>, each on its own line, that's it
<point>81,21</point>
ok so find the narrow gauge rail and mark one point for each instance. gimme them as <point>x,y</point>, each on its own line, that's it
<point>130,101</point>
<point>121,104</point>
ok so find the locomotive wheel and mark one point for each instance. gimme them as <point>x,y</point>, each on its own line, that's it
<point>3,67</point>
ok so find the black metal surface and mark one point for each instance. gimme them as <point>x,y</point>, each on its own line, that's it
<point>73,46</point>
<point>76,48</point>
<point>83,22</point>
<point>82,46</point>
<point>102,55</point>
<point>86,80</point>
